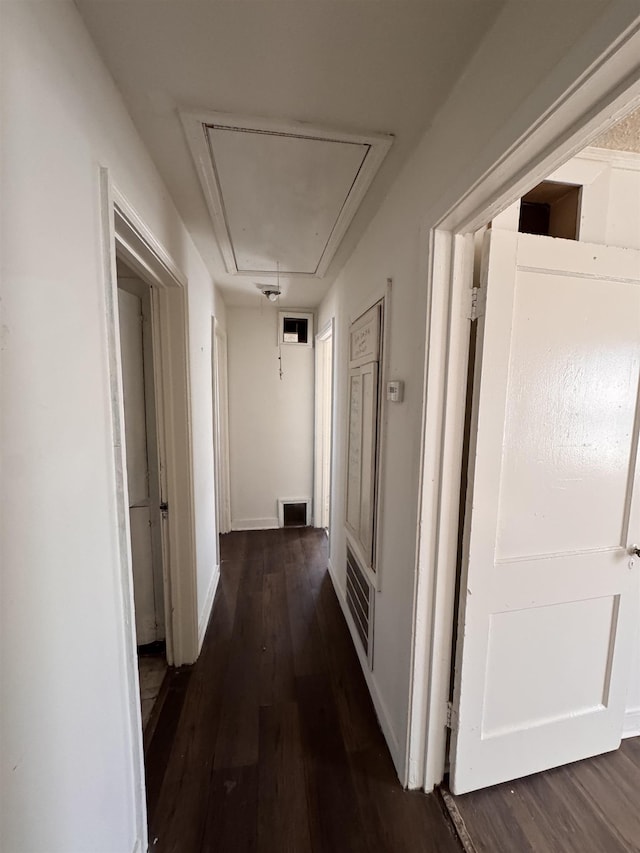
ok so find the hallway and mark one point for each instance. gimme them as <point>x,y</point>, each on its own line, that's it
<point>270,742</point>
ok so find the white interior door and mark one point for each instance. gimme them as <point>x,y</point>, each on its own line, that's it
<point>147,589</point>
<point>550,596</point>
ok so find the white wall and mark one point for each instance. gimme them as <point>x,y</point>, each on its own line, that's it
<point>517,73</point>
<point>270,420</point>
<point>70,749</point>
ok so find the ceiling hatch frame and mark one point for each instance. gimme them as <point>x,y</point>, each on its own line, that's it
<point>198,124</point>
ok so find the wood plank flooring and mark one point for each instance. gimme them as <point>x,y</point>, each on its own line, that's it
<point>270,742</point>
<point>592,806</point>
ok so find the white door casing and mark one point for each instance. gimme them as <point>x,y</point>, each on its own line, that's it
<point>323,427</point>
<point>549,591</point>
<point>221,426</point>
<point>327,438</point>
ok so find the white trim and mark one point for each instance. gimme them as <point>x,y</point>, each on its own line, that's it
<point>629,160</point>
<point>255,524</point>
<point>382,712</point>
<point>221,425</point>
<point>124,579</point>
<point>324,338</point>
<point>326,332</point>
<point>205,614</point>
<point>146,256</point>
<point>591,105</point>
<point>631,723</point>
<point>195,127</point>
<point>283,501</point>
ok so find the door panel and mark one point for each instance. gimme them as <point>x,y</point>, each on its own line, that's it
<point>144,592</point>
<point>361,480</point>
<point>573,413</point>
<point>550,602</point>
<point>354,464</point>
<point>369,428</point>
<point>146,596</point>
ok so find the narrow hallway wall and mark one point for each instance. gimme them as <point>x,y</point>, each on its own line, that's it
<point>447,161</point>
<point>270,419</point>
<point>69,727</point>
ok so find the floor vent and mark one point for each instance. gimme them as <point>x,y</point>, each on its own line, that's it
<point>360,600</point>
<point>294,514</point>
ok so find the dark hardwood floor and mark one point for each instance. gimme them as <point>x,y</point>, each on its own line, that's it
<point>592,806</point>
<point>270,742</point>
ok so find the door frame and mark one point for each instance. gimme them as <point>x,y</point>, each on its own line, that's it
<point>219,376</point>
<point>592,105</point>
<point>125,233</point>
<point>325,344</point>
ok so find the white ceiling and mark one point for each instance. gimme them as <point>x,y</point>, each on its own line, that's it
<point>364,66</point>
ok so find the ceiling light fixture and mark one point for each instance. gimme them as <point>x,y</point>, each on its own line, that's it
<point>272,293</point>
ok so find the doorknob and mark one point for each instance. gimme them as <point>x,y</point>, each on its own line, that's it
<point>634,551</point>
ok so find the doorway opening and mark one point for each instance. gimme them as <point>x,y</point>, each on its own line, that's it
<point>323,428</point>
<point>156,289</point>
<point>453,305</point>
<point>551,509</point>
<point>143,481</point>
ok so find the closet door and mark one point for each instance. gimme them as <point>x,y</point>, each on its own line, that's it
<point>361,483</point>
<point>364,356</point>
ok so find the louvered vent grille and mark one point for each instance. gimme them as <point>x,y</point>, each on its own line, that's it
<point>360,603</point>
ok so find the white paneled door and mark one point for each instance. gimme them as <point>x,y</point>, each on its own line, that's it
<point>550,585</point>
<point>143,510</point>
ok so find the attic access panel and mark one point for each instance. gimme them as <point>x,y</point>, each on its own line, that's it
<point>280,193</point>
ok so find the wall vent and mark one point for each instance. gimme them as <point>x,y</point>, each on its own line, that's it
<point>294,512</point>
<point>360,600</point>
<point>296,328</point>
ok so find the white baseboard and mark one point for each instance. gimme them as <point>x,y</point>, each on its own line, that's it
<point>205,613</point>
<point>379,704</point>
<point>334,579</point>
<point>631,726</point>
<point>255,524</point>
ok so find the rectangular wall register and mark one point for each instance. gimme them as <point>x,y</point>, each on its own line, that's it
<point>294,512</point>
<point>295,328</point>
<point>360,601</point>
